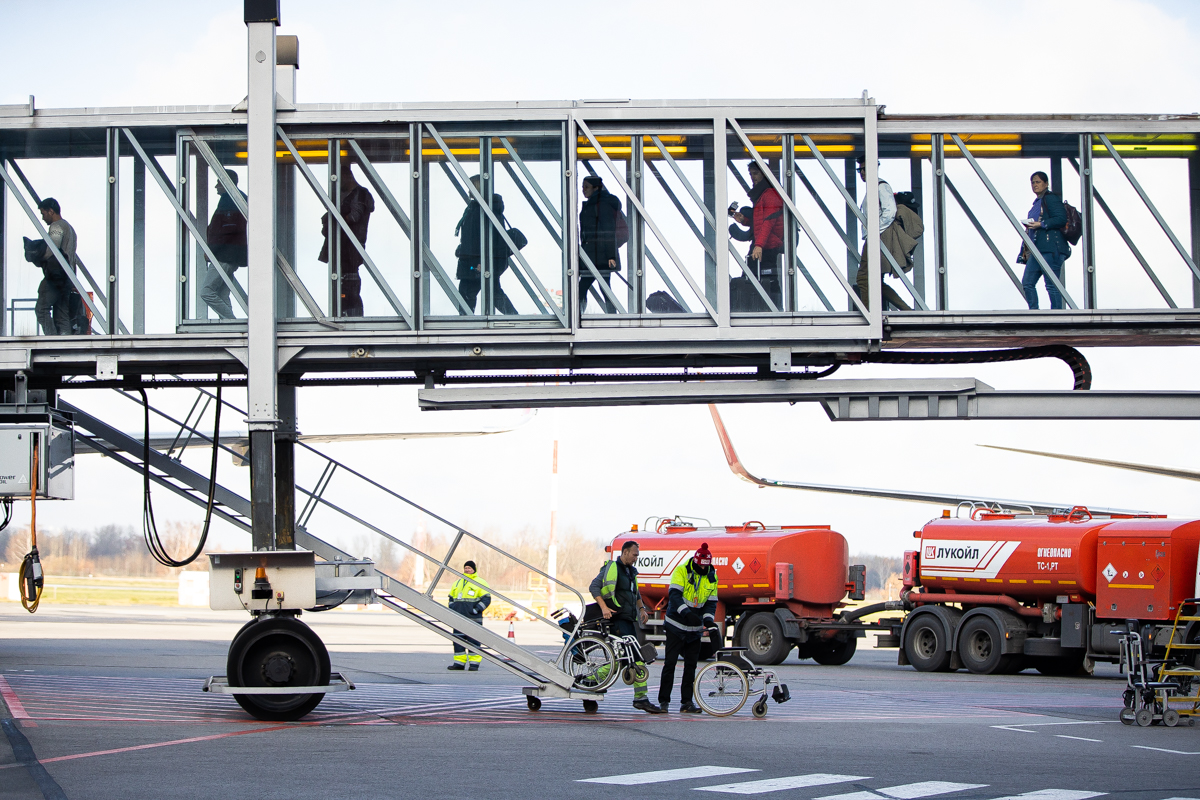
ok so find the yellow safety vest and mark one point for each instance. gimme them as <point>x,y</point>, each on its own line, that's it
<point>469,588</point>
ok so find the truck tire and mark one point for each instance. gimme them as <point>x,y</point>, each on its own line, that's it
<point>762,636</point>
<point>1059,665</point>
<point>834,653</point>
<point>926,644</point>
<point>981,647</point>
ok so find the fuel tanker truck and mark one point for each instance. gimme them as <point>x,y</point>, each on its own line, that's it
<point>993,593</point>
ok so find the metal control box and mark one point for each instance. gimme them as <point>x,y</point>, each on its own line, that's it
<point>55,442</point>
<point>290,581</point>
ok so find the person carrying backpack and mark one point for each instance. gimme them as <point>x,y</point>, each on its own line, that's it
<point>1049,218</point>
<point>602,231</point>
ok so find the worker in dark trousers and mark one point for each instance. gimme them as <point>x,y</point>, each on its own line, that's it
<point>616,592</point>
<point>691,609</point>
<point>469,596</point>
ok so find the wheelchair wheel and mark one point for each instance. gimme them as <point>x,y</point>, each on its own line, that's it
<point>640,673</point>
<point>721,688</point>
<point>759,709</point>
<point>591,661</point>
<point>627,676</point>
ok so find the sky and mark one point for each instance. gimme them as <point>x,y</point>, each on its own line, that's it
<point>619,466</point>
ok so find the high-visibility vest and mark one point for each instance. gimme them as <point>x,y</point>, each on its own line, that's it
<point>697,589</point>
<point>471,588</point>
<point>608,584</point>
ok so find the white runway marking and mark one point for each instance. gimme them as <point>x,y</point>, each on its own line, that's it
<point>664,775</point>
<point>779,784</point>
<point>1165,750</point>
<point>1076,738</point>
<point>1019,727</point>
<point>1054,794</point>
<point>908,791</point>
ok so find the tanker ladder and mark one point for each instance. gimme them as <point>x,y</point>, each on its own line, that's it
<point>1175,668</point>
<point>547,679</point>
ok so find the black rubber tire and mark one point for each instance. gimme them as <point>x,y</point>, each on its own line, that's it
<point>534,703</point>
<point>591,706</point>
<point>287,644</point>
<point>803,651</point>
<point>834,653</point>
<point>1144,717</point>
<point>762,636</point>
<point>926,644</point>
<point>980,647</point>
<point>1127,716</point>
<point>759,709</point>
<point>1059,665</point>
<point>1170,718</point>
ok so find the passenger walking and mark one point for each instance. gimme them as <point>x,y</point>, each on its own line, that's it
<point>691,609</point>
<point>766,223</point>
<point>887,217</point>
<point>1048,219</point>
<point>355,204</point>
<point>53,307</point>
<point>600,235</point>
<point>616,592</point>
<point>470,597</point>
<point>227,240</point>
<point>470,256</point>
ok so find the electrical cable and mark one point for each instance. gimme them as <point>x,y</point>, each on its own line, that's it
<point>6,502</point>
<point>30,580</point>
<point>1073,358</point>
<point>149,528</point>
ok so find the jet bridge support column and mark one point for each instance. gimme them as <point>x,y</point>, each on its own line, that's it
<point>261,17</point>
<point>285,469</point>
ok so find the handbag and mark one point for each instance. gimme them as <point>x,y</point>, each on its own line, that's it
<point>518,238</point>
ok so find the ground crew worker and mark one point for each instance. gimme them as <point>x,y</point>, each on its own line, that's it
<point>616,592</point>
<point>469,596</point>
<point>691,608</point>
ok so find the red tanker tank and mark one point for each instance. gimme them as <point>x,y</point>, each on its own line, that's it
<point>1128,567</point>
<point>778,586</point>
<point>745,558</point>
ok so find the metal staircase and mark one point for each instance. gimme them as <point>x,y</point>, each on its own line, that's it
<point>169,472</point>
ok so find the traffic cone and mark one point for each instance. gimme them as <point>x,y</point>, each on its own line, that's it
<point>511,633</point>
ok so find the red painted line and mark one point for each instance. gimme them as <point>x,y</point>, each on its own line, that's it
<point>152,746</point>
<point>10,700</point>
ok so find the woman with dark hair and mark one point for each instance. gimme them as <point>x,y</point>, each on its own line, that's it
<point>1048,219</point>
<point>598,221</point>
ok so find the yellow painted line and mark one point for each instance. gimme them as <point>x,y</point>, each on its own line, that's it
<point>762,586</point>
<point>951,149</point>
<point>722,585</point>
<point>995,580</point>
<point>971,580</point>
<point>1037,581</point>
<point>1147,148</point>
<point>1014,580</point>
<point>740,586</point>
<point>1129,586</point>
<point>1067,583</point>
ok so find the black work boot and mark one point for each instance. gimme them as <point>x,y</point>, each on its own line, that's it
<point>456,665</point>
<point>474,666</point>
<point>644,704</point>
<point>690,708</point>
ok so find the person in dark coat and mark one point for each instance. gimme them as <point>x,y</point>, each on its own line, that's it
<point>470,245</point>
<point>1049,217</point>
<point>355,204</point>
<point>598,238</point>
<point>227,239</point>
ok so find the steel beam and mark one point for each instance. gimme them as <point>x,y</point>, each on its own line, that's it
<point>4,331</point>
<point>937,157</point>
<point>139,246</point>
<point>843,400</point>
<point>262,352</point>
<point>983,234</point>
<point>112,228</point>
<point>1087,215</point>
<point>916,183</point>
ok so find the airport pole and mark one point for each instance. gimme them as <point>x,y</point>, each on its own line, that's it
<point>552,548</point>
<point>261,18</point>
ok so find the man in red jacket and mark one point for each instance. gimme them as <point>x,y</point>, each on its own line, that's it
<point>767,246</point>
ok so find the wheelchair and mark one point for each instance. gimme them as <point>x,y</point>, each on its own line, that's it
<point>723,686</point>
<point>595,655</point>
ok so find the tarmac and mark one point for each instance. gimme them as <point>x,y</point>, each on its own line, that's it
<point>106,702</point>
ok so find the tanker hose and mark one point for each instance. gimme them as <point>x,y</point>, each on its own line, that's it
<point>874,608</point>
<point>1073,358</point>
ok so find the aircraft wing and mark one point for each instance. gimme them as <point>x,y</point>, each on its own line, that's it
<point>1170,472</point>
<point>1015,506</point>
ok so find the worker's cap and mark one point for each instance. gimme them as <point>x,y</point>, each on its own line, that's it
<point>746,211</point>
<point>470,564</point>
<point>703,558</point>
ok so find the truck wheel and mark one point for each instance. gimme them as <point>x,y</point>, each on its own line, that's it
<point>925,644</point>
<point>762,636</point>
<point>980,647</point>
<point>804,650</point>
<point>834,653</point>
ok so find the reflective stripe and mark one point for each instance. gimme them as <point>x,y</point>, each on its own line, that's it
<point>683,609</point>
<point>464,589</point>
<point>608,587</point>
<point>681,626</point>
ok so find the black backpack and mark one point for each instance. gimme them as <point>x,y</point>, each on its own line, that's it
<point>1073,230</point>
<point>663,303</point>
<point>909,199</point>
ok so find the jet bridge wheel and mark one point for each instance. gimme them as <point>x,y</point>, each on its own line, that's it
<point>277,651</point>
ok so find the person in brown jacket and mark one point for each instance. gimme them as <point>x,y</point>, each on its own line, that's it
<point>227,239</point>
<point>355,204</point>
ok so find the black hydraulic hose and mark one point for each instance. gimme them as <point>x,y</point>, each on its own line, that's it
<point>874,608</point>
<point>149,528</point>
<point>1073,358</point>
